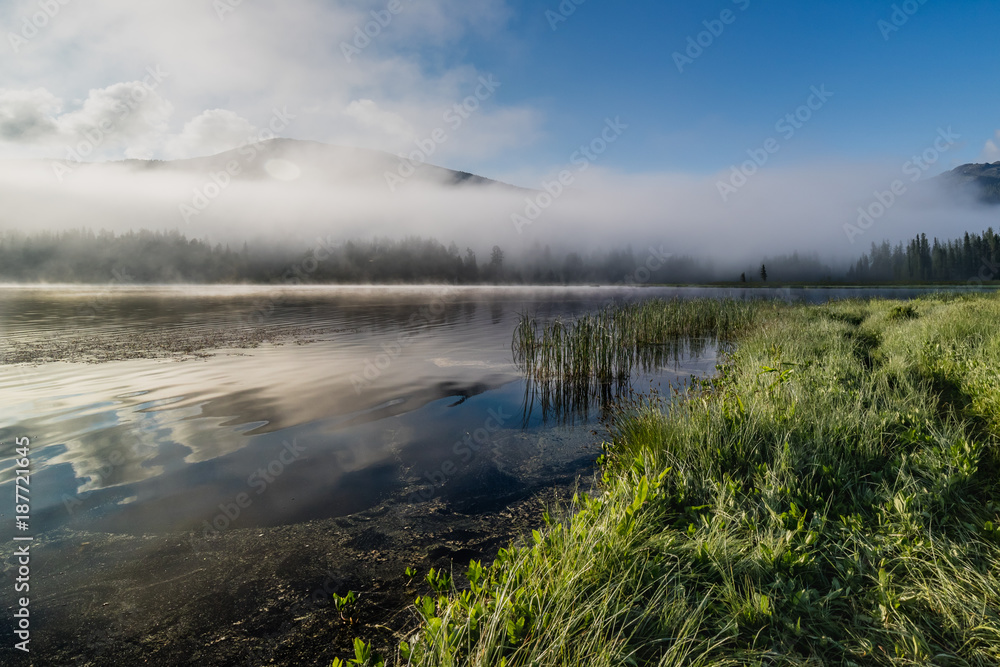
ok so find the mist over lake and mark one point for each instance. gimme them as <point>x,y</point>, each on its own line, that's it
<point>385,333</point>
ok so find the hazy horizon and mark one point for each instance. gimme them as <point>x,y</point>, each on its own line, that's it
<point>677,130</point>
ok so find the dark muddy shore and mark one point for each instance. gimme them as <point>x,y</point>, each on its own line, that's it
<point>262,596</point>
<point>255,596</point>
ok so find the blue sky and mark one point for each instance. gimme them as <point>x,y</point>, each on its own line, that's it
<point>890,95</point>
<point>832,99</point>
<point>229,68</point>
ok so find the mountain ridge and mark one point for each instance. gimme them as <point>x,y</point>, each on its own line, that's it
<point>293,160</point>
<point>981,180</point>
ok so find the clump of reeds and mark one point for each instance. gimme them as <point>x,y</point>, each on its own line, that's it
<point>812,506</point>
<point>605,347</point>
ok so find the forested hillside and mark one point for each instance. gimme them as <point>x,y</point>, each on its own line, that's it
<point>142,257</point>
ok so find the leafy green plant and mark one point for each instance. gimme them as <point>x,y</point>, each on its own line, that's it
<point>344,602</point>
<point>439,580</point>
<point>903,311</point>
<point>828,497</point>
<point>364,656</point>
<point>475,575</point>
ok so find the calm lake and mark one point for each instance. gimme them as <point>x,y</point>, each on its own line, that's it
<point>199,412</point>
<point>356,395</point>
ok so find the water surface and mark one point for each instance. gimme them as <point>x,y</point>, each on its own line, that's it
<point>210,464</point>
<point>330,400</point>
<point>408,394</point>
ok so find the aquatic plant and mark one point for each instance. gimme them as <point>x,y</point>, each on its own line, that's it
<point>606,346</point>
<point>830,497</point>
<point>571,365</point>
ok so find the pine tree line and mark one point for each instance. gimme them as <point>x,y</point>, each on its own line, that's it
<point>82,255</point>
<point>974,257</point>
<point>169,257</point>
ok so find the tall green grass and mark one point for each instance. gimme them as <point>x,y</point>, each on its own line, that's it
<point>832,497</point>
<point>571,366</point>
<point>569,363</point>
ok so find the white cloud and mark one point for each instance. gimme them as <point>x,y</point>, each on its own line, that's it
<point>386,123</point>
<point>211,132</point>
<point>991,151</point>
<point>27,115</point>
<point>262,56</point>
<point>491,133</point>
<point>124,118</point>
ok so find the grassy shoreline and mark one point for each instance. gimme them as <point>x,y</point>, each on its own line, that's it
<point>831,497</point>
